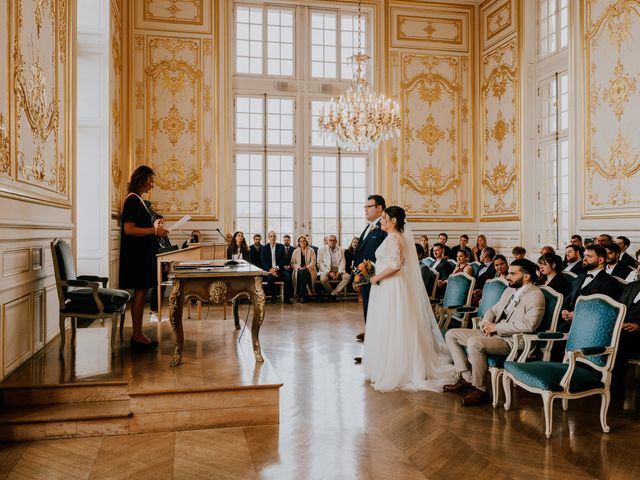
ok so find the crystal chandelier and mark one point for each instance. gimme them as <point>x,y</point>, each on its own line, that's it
<point>360,119</point>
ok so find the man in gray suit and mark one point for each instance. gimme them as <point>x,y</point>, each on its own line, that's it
<point>519,310</point>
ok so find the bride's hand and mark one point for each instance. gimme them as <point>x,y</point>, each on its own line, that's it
<point>374,280</point>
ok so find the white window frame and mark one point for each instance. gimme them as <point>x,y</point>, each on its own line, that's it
<point>303,88</point>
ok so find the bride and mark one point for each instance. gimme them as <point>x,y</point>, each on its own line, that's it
<point>403,349</point>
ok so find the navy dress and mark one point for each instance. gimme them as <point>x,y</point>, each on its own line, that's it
<point>137,254</point>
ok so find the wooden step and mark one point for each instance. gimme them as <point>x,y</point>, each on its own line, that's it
<point>37,422</point>
<point>63,393</point>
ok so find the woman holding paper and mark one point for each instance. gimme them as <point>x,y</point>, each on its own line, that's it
<point>137,249</point>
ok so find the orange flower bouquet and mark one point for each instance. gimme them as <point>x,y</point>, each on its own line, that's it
<point>363,272</point>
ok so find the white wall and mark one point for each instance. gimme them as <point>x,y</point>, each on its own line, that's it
<point>92,199</point>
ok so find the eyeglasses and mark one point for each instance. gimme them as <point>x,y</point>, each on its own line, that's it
<point>370,206</point>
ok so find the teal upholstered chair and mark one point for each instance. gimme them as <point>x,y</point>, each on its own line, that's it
<point>476,268</point>
<point>84,296</point>
<point>592,341</point>
<point>548,325</point>
<point>570,278</point>
<point>453,262</point>
<point>458,293</point>
<point>433,285</point>
<point>429,261</point>
<point>491,293</point>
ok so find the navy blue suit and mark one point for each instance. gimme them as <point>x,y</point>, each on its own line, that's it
<point>367,251</point>
<point>281,274</point>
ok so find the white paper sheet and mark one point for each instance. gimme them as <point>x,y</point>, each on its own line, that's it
<point>179,223</point>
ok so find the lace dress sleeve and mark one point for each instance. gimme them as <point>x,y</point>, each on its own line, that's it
<point>396,256</point>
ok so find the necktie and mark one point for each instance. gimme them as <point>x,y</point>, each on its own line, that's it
<point>506,308</point>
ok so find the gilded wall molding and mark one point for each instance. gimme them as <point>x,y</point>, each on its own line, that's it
<point>612,99</point>
<point>172,108</point>
<point>499,155</point>
<point>185,16</point>
<point>431,53</point>
<point>34,159</point>
<point>116,95</point>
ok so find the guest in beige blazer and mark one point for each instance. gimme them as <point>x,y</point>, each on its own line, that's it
<point>519,310</point>
<point>303,265</point>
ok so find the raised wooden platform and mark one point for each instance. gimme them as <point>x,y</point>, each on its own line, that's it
<point>91,393</point>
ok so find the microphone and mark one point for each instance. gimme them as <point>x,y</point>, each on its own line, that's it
<point>221,234</point>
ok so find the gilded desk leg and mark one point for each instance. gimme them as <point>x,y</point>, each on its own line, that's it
<point>176,305</point>
<point>258,300</point>
<point>236,314</point>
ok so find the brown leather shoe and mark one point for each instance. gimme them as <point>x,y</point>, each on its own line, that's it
<point>461,386</point>
<point>475,397</point>
<point>360,337</point>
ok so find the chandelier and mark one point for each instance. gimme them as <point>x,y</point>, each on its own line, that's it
<point>360,119</point>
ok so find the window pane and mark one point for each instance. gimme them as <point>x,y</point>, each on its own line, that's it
<point>318,138</point>
<point>249,205</point>
<point>349,42</point>
<point>249,40</point>
<point>249,120</point>
<point>280,121</point>
<point>352,193</point>
<point>279,197</point>
<point>323,45</point>
<point>280,41</point>
<point>324,208</point>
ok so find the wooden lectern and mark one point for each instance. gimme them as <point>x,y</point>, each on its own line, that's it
<point>195,251</point>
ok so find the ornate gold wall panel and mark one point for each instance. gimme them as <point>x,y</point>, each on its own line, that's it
<point>498,21</point>
<point>172,85</point>
<point>5,143</point>
<point>189,16</point>
<point>116,96</point>
<point>611,32</point>
<point>429,27</point>
<point>499,126</point>
<point>432,162</point>
<point>34,150</point>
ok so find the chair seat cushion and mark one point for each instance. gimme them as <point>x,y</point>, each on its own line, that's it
<point>496,361</point>
<point>547,376</point>
<point>81,300</point>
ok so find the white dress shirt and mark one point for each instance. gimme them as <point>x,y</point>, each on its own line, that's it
<point>273,256</point>
<point>370,227</point>
<point>590,276</point>
<point>570,266</point>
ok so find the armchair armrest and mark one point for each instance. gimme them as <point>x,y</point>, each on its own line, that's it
<point>551,336</point>
<point>466,309</point>
<point>529,338</point>
<point>573,355</point>
<point>94,278</point>
<point>94,286</point>
<point>475,323</point>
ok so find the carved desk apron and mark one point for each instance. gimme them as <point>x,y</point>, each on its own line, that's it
<point>211,281</point>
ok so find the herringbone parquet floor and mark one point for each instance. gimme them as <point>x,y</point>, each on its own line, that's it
<point>334,426</point>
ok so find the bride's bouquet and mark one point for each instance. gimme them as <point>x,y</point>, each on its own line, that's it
<point>363,272</point>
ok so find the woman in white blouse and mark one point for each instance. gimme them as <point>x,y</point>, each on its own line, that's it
<point>238,249</point>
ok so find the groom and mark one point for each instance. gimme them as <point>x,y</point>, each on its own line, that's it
<point>370,240</point>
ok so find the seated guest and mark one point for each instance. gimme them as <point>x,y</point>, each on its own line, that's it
<point>625,258</point>
<point>501,265</point>
<point>194,237</point>
<point>519,253</point>
<point>315,249</point>
<point>577,240</point>
<point>254,250</point>
<point>464,240</point>
<point>419,251</point>
<point>485,273</point>
<point>442,240</point>
<point>614,267</point>
<point>637,275</point>
<point>424,242</point>
<point>462,263</point>
<point>629,342</point>
<point>228,237</point>
<point>272,260</point>
<point>303,263</point>
<point>594,279</point>
<point>519,310</point>
<point>443,267</point>
<point>547,249</point>
<point>288,252</point>
<point>603,239</point>
<point>237,249</point>
<point>550,266</point>
<point>332,266</point>
<point>349,255</point>
<point>573,259</point>
<point>481,244</point>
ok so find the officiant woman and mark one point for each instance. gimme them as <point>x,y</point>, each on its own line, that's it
<point>138,239</point>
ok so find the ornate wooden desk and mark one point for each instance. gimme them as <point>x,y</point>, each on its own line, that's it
<point>210,280</point>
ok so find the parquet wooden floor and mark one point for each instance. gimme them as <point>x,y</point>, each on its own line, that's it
<point>334,426</point>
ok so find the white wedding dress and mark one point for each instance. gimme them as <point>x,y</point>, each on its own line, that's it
<point>403,347</point>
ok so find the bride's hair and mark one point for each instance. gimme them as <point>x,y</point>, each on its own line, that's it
<point>399,214</point>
